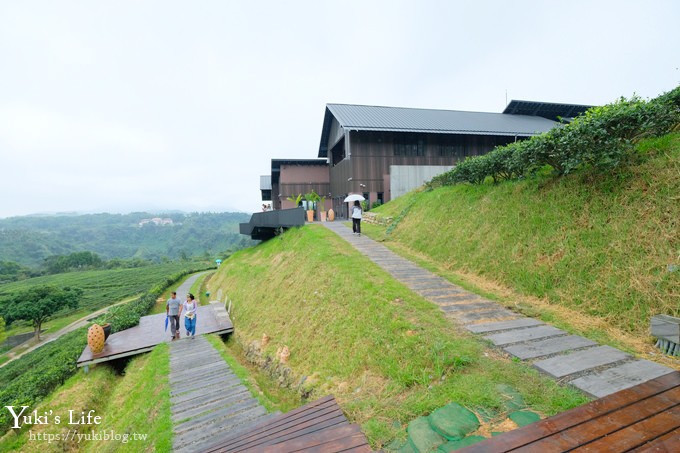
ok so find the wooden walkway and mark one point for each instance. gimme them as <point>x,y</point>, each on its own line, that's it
<point>208,400</point>
<point>319,426</point>
<point>596,370</point>
<point>151,331</point>
<point>644,418</point>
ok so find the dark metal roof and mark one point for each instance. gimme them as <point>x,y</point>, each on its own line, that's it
<point>276,165</point>
<point>549,110</point>
<point>397,119</point>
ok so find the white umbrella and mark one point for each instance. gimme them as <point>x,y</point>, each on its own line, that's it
<point>354,197</point>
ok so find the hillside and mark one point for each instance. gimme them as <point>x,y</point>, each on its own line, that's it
<point>28,240</point>
<point>605,248</point>
<point>595,255</point>
<point>386,354</point>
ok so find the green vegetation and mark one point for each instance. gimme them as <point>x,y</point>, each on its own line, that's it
<point>601,246</point>
<point>37,304</point>
<point>578,227</point>
<point>385,353</point>
<point>140,404</point>
<point>29,379</point>
<point>81,392</point>
<point>29,240</point>
<point>601,140</point>
<point>57,264</point>
<point>102,288</point>
<point>268,393</point>
<point>137,402</point>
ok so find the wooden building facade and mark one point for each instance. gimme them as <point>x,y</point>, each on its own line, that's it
<point>363,144</point>
<point>383,152</point>
<point>367,171</point>
<point>291,177</point>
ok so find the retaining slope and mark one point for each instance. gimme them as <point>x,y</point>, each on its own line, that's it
<point>596,370</point>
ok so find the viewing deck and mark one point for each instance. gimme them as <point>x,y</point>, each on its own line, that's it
<point>151,331</point>
<point>642,418</point>
<point>265,225</point>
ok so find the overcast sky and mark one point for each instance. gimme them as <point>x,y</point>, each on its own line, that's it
<point>120,106</point>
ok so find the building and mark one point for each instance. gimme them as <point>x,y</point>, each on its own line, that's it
<point>292,177</point>
<point>384,152</point>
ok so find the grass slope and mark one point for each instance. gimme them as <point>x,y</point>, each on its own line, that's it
<point>385,353</point>
<point>137,402</point>
<point>601,246</point>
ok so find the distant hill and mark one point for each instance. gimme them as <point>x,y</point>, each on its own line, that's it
<point>28,240</point>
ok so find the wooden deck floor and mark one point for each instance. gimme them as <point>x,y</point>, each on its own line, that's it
<point>208,401</point>
<point>151,331</point>
<point>643,418</point>
<point>318,426</point>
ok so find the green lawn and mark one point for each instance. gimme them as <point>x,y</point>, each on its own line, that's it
<point>385,353</point>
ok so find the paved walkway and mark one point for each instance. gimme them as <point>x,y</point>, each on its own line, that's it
<point>594,369</point>
<point>185,287</point>
<point>209,402</point>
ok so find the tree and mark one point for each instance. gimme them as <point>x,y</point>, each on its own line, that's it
<point>57,264</point>
<point>37,304</point>
<point>11,271</point>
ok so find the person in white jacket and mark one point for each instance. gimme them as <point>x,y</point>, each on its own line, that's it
<point>189,310</point>
<point>356,218</point>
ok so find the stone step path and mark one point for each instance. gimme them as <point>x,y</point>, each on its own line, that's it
<point>596,370</point>
<point>208,401</point>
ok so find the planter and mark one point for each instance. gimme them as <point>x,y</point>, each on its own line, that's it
<point>331,215</point>
<point>310,216</point>
<point>107,330</point>
<point>323,216</point>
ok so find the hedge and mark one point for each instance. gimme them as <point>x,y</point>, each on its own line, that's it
<point>602,139</point>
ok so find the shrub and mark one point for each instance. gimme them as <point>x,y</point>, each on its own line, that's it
<point>601,139</point>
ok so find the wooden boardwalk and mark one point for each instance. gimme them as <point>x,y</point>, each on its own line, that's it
<point>151,331</point>
<point>644,418</point>
<point>596,370</point>
<point>319,426</point>
<point>208,400</point>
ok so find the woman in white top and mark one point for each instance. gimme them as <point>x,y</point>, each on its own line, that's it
<point>189,310</point>
<point>356,218</point>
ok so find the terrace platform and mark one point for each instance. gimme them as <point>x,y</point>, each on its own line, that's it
<point>150,331</point>
<point>641,418</point>
<point>318,426</point>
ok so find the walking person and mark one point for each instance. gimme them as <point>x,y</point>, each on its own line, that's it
<point>189,309</point>
<point>356,218</point>
<point>172,308</point>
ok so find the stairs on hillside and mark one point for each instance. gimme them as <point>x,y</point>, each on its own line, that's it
<point>208,400</point>
<point>596,370</point>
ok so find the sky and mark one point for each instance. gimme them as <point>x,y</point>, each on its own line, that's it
<point>140,105</point>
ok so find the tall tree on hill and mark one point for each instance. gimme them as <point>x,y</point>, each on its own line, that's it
<point>37,304</point>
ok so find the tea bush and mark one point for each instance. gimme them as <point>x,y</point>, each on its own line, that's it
<point>601,139</point>
<point>27,380</point>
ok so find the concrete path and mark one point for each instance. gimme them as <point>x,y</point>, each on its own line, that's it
<point>596,370</point>
<point>209,403</point>
<point>183,289</point>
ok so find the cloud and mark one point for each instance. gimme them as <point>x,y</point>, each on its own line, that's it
<point>56,139</point>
